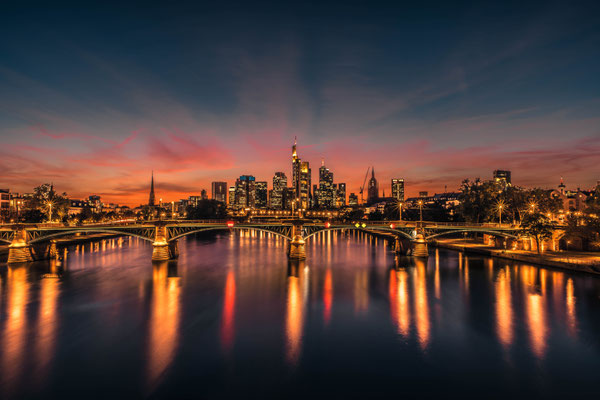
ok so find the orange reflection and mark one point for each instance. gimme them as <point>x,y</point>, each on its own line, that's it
<point>163,323</point>
<point>46,330</point>
<point>437,274</point>
<point>571,316</point>
<point>15,328</point>
<point>504,310</point>
<point>536,321</point>
<point>399,309</point>
<point>327,297</point>
<point>227,322</point>
<point>294,319</point>
<point>361,291</point>
<point>421,305</point>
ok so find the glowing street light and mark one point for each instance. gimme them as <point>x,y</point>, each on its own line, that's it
<point>420,210</point>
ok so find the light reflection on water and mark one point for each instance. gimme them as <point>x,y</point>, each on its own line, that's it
<point>106,317</point>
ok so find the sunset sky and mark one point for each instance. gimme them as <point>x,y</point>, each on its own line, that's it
<point>93,98</point>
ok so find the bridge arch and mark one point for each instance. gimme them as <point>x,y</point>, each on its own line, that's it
<point>368,231</point>
<point>91,230</point>
<point>222,228</point>
<point>491,233</point>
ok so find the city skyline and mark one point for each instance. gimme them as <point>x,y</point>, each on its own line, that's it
<point>212,94</point>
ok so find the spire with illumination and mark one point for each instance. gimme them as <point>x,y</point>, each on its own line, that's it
<point>152,199</point>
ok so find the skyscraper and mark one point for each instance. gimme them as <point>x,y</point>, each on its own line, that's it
<point>373,191</point>
<point>152,199</point>
<point>340,195</point>
<point>398,189</point>
<point>261,194</point>
<point>219,191</point>
<point>326,195</point>
<point>279,185</point>
<point>301,181</point>
<point>245,191</point>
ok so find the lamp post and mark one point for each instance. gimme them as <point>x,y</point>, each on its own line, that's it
<point>420,211</point>
<point>400,204</point>
<point>500,207</point>
<point>49,204</point>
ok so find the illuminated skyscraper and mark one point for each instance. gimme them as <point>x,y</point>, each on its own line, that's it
<point>245,191</point>
<point>326,194</point>
<point>219,191</point>
<point>279,185</point>
<point>373,192</point>
<point>231,196</point>
<point>301,181</point>
<point>261,194</point>
<point>353,200</point>
<point>340,195</point>
<point>398,189</point>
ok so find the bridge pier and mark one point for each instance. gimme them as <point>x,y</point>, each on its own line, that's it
<point>160,246</point>
<point>419,247</point>
<point>297,245</point>
<point>19,250</point>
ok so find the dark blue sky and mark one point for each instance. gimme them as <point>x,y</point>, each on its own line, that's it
<point>431,92</point>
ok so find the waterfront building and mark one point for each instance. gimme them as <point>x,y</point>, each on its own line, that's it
<point>353,200</point>
<point>301,179</point>
<point>4,204</point>
<point>95,203</point>
<point>219,191</point>
<point>340,195</point>
<point>261,194</point>
<point>398,189</point>
<point>503,177</point>
<point>245,191</point>
<point>373,188</point>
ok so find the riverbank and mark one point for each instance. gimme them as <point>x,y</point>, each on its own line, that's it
<point>574,261</point>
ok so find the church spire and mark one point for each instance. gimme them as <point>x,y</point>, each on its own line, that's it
<point>152,199</point>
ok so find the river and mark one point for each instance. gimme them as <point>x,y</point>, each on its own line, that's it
<point>232,318</point>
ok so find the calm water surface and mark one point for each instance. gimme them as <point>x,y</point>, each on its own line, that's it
<point>231,318</point>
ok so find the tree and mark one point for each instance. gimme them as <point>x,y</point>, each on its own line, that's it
<point>538,226</point>
<point>585,226</point>
<point>46,200</point>
<point>207,209</point>
<point>477,200</point>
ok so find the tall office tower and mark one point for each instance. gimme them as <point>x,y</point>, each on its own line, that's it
<point>301,179</point>
<point>503,177</point>
<point>340,195</point>
<point>373,191</point>
<point>326,194</point>
<point>152,199</point>
<point>231,196</point>
<point>219,191</point>
<point>353,200</point>
<point>279,185</point>
<point>245,191</point>
<point>288,198</point>
<point>398,189</point>
<point>261,194</point>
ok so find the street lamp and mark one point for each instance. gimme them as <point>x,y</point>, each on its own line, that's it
<point>420,210</point>
<point>400,204</point>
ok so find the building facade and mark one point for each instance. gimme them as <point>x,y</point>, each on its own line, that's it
<point>301,180</point>
<point>398,189</point>
<point>279,186</point>
<point>219,191</point>
<point>261,194</point>
<point>245,192</point>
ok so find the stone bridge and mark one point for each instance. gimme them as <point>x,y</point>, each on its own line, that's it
<point>29,241</point>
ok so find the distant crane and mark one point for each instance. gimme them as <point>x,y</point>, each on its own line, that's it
<point>362,188</point>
